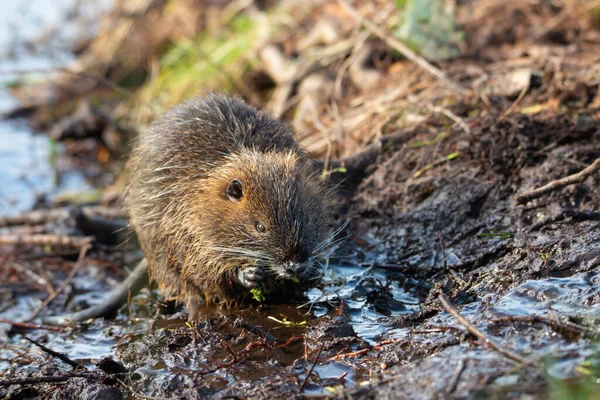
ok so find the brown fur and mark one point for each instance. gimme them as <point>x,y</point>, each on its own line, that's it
<point>177,197</point>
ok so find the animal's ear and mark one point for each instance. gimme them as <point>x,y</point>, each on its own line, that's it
<point>235,191</point>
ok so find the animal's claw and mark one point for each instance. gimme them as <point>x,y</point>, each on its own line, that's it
<point>250,277</point>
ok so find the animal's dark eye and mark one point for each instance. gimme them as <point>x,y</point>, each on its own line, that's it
<point>260,227</point>
<point>234,191</point>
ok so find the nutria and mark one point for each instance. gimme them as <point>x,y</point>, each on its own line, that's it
<point>223,201</point>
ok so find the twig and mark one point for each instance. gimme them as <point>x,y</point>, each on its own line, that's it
<point>25,325</point>
<point>78,264</point>
<point>443,251</point>
<point>97,79</point>
<point>51,240</point>
<point>515,103</point>
<point>38,217</point>
<point>349,355</point>
<point>257,330</point>
<point>402,48</point>
<point>458,120</point>
<point>53,353</point>
<point>288,342</point>
<point>552,322</point>
<point>34,218</point>
<point>31,274</point>
<point>559,183</point>
<point>236,358</point>
<point>333,380</point>
<point>361,39</point>
<point>566,215</point>
<point>34,380</point>
<point>312,367</point>
<point>460,367</point>
<point>136,394</point>
<point>113,300</point>
<point>476,332</point>
<point>441,329</point>
<point>379,345</point>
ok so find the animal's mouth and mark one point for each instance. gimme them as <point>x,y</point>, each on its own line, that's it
<point>297,272</point>
<point>289,276</point>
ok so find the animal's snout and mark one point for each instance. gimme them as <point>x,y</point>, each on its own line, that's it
<point>298,255</point>
<point>291,268</point>
<point>295,263</point>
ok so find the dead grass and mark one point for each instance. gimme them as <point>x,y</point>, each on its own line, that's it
<point>338,84</point>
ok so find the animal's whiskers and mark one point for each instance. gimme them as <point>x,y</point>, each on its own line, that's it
<point>329,240</point>
<point>250,254</point>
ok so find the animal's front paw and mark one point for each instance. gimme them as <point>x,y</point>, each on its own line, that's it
<point>250,277</point>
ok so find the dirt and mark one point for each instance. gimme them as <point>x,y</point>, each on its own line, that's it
<point>459,205</point>
<point>499,260</point>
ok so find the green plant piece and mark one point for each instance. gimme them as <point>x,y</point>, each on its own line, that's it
<point>534,109</point>
<point>79,197</point>
<point>400,4</point>
<point>341,170</point>
<point>585,386</point>
<point>452,156</point>
<point>500,234</point>
<point>287,322</point>
<point>428,27</point>
<point>259,294</point>
<point>545,257</point>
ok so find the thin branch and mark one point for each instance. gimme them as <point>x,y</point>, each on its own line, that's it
<point>257,330</point>
<point>460,367</point>
<point>34,217</point>
<point>559,183</point>
<point>554,323</point>
<point>402,48</point>
<point>25,325</point>
<point>350,355</point>
<point>476,332</point>
<point>34,380</point>
<point>137,395</point>
<point>566,216</point>
<point>78,264</point>
<point>42,240</point>
<point>458,120</point>
<point>312,367</point>
<point>55,354</point>
<point>443,251</point>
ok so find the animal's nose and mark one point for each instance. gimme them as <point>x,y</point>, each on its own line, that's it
<point>291,268</point>
<point>301,255</point>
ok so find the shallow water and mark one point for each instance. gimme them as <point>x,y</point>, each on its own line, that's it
<point>354,286</point>
<point>30,170</point>
<point>35,37</point>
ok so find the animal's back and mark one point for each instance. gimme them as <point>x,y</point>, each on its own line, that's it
<point>206,131</point>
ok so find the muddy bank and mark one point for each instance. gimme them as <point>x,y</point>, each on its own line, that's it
<point>525,275</point>
<point>536,263</point>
